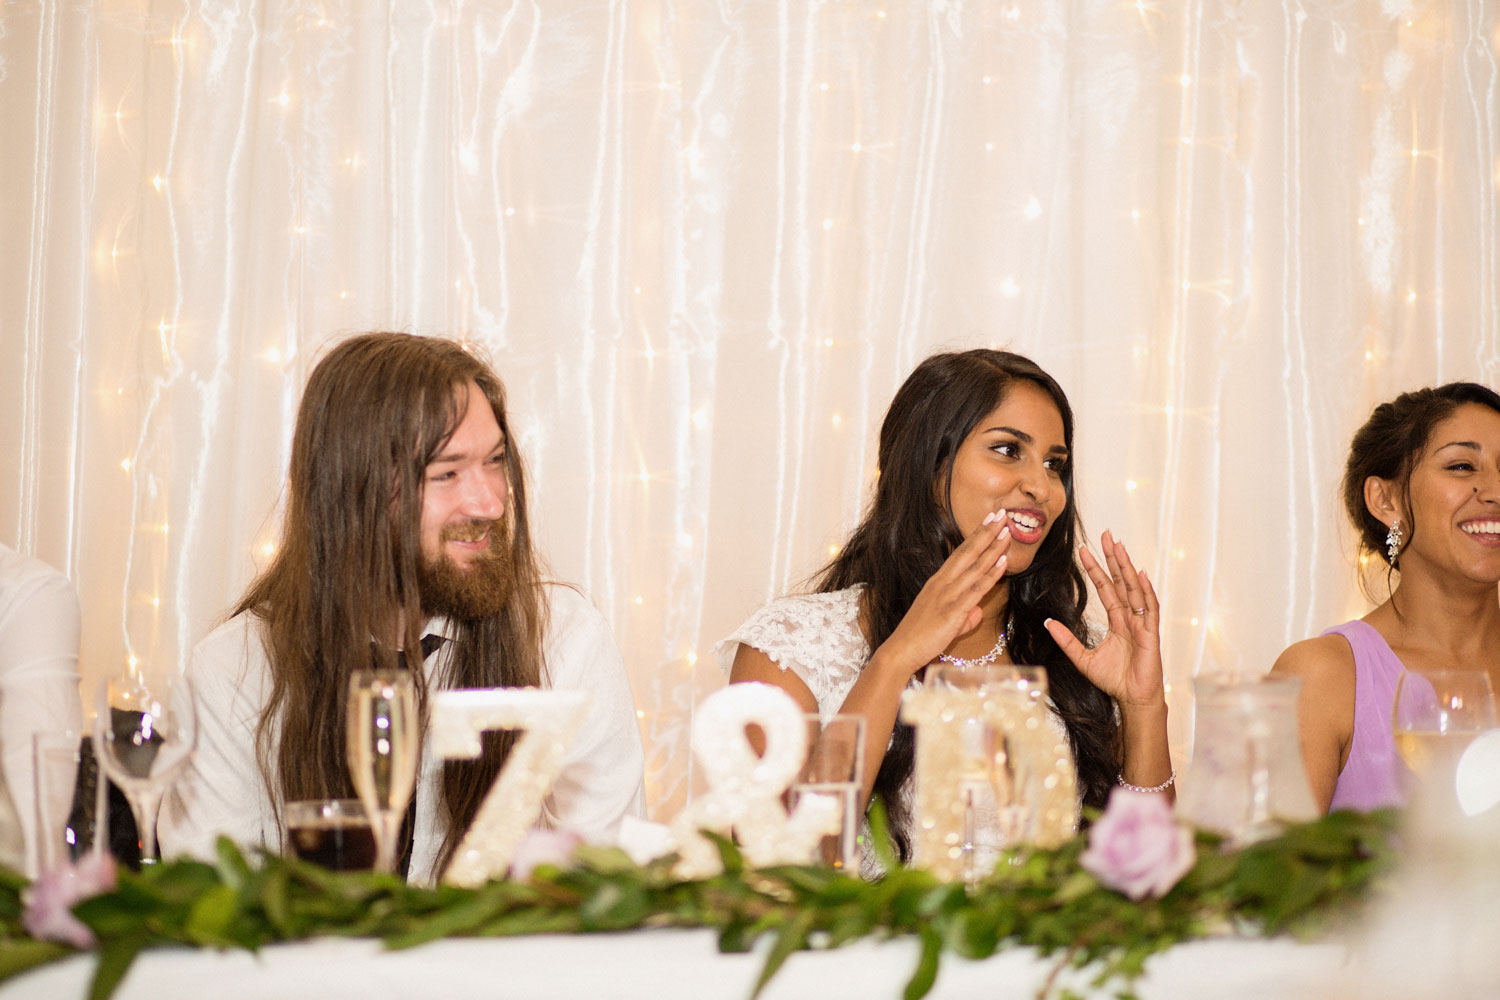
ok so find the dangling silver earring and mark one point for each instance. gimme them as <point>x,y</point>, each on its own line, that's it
<point>1393,542</point>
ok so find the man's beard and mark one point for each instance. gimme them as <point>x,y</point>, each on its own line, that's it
<point>478,591</point>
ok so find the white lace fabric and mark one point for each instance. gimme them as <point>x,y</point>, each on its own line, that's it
<point>815,636</point>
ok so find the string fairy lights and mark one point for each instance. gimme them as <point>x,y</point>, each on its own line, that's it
<point>169,177</point>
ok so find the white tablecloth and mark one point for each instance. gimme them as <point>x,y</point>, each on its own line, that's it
<point>667,964</point>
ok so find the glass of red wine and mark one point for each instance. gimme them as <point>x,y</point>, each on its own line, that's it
<point>333,833</point>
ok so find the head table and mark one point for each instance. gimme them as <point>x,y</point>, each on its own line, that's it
<point>667,964</point>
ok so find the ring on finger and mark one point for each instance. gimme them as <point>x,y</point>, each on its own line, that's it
<point>1137,611</point>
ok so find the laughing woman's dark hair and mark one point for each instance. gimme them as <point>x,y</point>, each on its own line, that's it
<point>909,530</point>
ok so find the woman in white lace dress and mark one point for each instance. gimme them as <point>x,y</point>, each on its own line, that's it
<point>966,553</point>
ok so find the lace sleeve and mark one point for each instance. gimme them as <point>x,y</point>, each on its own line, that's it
<point>815,636</point>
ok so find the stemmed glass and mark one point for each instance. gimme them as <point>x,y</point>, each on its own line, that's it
<point>382,732</point>
<point>143,742</point>
<point>1435,716</point>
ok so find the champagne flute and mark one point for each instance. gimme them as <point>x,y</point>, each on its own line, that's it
<point>382,732</point>
<point>143,742</point>
<point>1436,714</point>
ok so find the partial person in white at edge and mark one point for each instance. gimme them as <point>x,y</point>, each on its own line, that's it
<point>430,550</point>
<point>39,628</point>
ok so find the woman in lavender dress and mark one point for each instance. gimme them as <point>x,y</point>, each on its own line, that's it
<point>1422,486</point>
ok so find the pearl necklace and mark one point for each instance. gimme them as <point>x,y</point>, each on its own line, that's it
<point>978,661</point>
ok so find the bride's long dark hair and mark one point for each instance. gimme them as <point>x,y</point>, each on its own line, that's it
<point>909,531</point>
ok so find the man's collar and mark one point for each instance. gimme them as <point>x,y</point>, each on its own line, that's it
<point>441,625</point>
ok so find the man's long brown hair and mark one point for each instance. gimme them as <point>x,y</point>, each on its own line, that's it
<point>377,409</point>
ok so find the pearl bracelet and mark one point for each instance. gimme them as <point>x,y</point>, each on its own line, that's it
<point>1120,780</point>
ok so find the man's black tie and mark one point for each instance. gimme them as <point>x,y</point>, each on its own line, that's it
<point>430,642</point>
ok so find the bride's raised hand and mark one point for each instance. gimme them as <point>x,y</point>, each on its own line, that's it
<point>948,604</point>
<point>1126,664</point>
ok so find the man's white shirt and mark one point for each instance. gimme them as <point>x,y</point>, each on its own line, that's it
<point>223,791</point>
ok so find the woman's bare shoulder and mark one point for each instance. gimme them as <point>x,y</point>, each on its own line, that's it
<point>1322,660</point>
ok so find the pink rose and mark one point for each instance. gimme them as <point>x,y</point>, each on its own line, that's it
<point>543,847</point>
<point>50,899</point>
<point>1137,846</point>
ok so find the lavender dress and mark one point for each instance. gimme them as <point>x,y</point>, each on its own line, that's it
<point>1373,777</point>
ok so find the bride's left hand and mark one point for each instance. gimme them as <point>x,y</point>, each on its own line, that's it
<point>1126,665</point>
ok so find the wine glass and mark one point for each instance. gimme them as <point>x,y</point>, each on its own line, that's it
<point>382,731</point>
<point>143,742</point>
<point>1435,716</point>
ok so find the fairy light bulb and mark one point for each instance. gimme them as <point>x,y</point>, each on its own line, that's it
<point>1131,486</point>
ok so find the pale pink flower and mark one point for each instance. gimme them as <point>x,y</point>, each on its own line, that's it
<point>1137,847</point>
<point>51,898</point>
<point>543,847</point>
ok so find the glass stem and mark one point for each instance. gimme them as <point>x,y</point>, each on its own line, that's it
<point>389,833</point>
<point>146,806</point>
<point>971,873</point>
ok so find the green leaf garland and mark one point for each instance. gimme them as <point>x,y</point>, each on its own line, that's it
<point>1300,882</point>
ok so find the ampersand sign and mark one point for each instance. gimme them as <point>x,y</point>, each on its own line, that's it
<point>745,788</point>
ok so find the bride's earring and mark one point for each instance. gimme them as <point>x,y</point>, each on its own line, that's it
<point>1393,542</point>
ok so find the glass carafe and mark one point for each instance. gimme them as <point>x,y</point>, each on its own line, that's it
<point>1246,779</point>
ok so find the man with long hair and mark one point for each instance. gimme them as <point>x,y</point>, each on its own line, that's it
<point>406,528</point>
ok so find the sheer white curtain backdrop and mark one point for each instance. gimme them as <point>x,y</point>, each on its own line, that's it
<point>703,243</point>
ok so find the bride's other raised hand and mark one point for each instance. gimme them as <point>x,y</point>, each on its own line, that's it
<point>947,606</point>
<point>1126,664</point>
